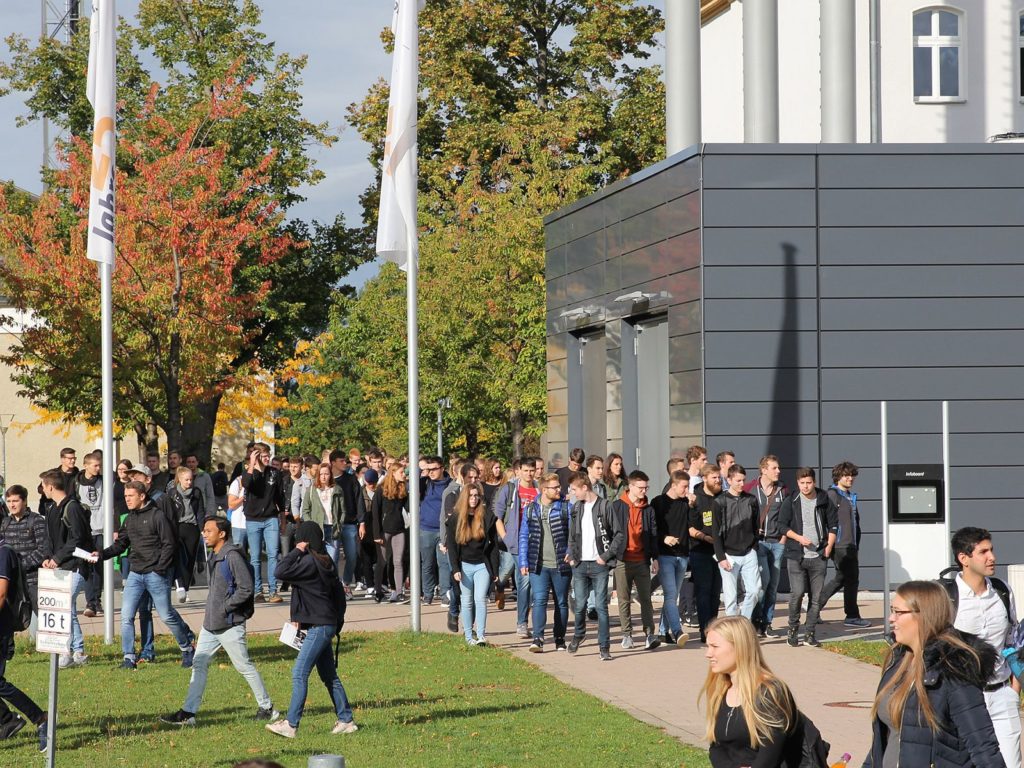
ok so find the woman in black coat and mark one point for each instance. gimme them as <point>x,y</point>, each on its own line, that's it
<point>318,609</point>
<point>472,538</point>
<point>929,709</point>
<point>387,517</point>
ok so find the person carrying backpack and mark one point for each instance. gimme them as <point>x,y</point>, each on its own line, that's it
<point>318,609</point>
<point>228,605</point>
<point>10,723</point>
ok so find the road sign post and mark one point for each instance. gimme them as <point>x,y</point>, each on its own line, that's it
<point>53,636</point>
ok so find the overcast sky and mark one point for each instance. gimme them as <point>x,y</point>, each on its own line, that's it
<point>342,40</point>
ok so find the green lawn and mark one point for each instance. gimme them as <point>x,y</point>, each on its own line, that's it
<point>870,651</point>
<point>419,701</point>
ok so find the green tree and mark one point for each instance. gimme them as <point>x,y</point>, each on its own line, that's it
<point>195,45</point>
<point>526,106</point>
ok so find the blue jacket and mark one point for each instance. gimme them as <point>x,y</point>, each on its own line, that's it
<point>953,680</point>
<point>431,492</point>
<point>531,535</point>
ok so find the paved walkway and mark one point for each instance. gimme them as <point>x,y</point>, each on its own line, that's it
<point>659,687</point>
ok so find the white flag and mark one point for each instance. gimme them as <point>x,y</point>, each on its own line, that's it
<point>101,92</point>
<point>396,223</point>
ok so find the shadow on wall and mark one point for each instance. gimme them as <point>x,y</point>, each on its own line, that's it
<point>784,432</point>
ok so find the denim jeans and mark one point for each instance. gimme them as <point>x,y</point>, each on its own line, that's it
<point>156,585</point>
<point>541,585</point>
<point>239,536</point>
<point>769,560</point>
<point>350,544</point>
<point>744,567</point>
<point>673,572</point>
<point>317,651</point>
<point>434,566</point>
<point>707,586</point>
<point>266,532</point>
<point>589,577</point>
<point>330,544</point>
<point>233,642</point>
<point>473,588</point>
<point>77,638</point>
<point>523,595</point>
<point>10,693</point>
<point>94,584</point>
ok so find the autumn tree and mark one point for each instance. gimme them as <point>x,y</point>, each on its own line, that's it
<point>189,47</point>
<point>526,106</point>
<point>181,236</point>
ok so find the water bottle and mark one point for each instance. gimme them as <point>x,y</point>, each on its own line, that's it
<point>843,761</point>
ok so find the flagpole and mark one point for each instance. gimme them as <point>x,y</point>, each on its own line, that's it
<point>107,357</point>
<point>411,275</point>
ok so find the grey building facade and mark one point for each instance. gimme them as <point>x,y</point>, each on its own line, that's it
<point>765,298</point>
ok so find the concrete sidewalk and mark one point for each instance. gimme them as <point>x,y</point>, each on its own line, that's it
<point>659,687</point>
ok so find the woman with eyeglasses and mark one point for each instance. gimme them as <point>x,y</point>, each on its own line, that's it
<point>929,709</point>
<point>749,712</point>
<point>614,475</point>
<point>473,554</point>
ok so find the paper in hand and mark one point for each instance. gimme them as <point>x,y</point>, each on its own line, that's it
<point>81,554</point>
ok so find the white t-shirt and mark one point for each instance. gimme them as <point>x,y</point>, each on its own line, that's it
<point>588,541</point>
<point>237,514</point>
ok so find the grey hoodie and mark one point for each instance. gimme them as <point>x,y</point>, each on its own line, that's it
<point>223,612</point>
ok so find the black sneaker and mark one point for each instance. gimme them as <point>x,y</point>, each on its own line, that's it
<point>761,631</point>
<point>181,717</point>
<point>592,614</point>
<point>769,632</point>
<point>606,655</point>
<point>792,639</point>
<point>11,726</point>
<point>453,623</point>
<point>574,644</point>
<point>668,638</point>
<point>560,645</point>
<point>128,664</point>
<point>269,714</point>
<point>811,640</point>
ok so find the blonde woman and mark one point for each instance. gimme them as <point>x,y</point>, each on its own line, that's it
<point>929,709</point>
<point>473,554</point>
<point>749,711</point>
<point>389,533</point>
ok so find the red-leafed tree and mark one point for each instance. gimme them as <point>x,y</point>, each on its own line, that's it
<point>186,226</point>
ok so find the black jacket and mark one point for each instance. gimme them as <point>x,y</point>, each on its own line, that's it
<point>954,682</point>
<point>350,490</point>
<point>190,510</point>
<point>69,526</point>
<point>490,544</point>
<point>734,524</point>
<point>386,514</point>
<point>148,532</point>
<point>264,494</point>
<point>791,518</point>
<point>611,539</point>
<point>317,596</point>
<point>671,516</point>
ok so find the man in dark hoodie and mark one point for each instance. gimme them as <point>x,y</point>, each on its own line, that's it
<point>148,532</point>
<point>734,519</point>
<point>228,605</point>
<point>68,525</point>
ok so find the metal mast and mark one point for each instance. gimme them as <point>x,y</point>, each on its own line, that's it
<point>58,20</point>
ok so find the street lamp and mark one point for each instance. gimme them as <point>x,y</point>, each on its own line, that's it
<point>442,403</point>
<point>5,424</point>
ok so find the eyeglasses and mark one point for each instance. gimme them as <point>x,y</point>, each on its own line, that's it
<point>640,487</point>
<point>897,613</point>
<point>552,487</point>
<point>433,469</point>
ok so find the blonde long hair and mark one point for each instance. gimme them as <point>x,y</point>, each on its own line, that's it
<point>392,487</point>
<point>930,602</point>
<point>469,525</point>
<point>766,701</point>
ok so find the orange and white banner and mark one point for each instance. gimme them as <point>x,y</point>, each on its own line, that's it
<point>396,222</point>
<point>101,90</point>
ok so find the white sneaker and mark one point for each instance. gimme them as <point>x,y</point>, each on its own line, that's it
<point>79,659</point>
<point>64,661</point>
<point>182,594</point>
<point>340,727</point>
<point>282,728</point>
<point>627,641</point>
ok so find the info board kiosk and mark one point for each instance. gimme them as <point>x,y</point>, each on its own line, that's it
<point>915,516</point>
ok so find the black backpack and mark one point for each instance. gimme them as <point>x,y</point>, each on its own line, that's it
<point>948,581</point>
<point>805,748</point>
<point>17,594</point>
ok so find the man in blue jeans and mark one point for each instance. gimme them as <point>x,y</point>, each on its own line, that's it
<point>596,541</point>
<point>509,505</point>
<point>148,532</point>
<point>769,493</point>
<point>543,556</point>
<point>434,566</point>
<point>264,504</point>
<point>671,517</point>
<point>734,533</point>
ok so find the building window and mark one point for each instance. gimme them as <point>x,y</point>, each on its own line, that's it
<point>939,55</point>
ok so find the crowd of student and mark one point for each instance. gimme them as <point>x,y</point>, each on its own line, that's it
<point>336,527</point>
